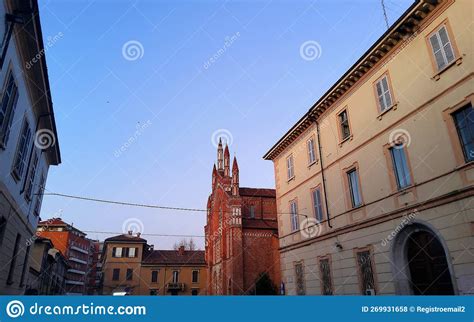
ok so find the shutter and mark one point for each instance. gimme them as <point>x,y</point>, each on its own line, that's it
<point>436,46</point>
<point>447,48</point>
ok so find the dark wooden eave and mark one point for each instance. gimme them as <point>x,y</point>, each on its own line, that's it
<point>402,29</point>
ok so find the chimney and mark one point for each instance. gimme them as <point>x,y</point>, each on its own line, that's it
<point>130,232</point>
<point>181,250</point>
<point>138,234</point>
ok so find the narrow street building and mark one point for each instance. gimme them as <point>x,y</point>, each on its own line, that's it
<point>47,273</point>
<point>378,175</point>
<point>241,232</point>
<point>28,138</point>
<point>73,244</point>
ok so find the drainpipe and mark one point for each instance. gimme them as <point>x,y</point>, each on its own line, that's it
<point>322,173</point>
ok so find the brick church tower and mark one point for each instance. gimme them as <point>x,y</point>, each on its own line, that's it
<point>241,232</point>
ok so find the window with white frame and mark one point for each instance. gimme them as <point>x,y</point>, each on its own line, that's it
<point>317,204</point>
<point>22,150</point>
<point>344,125</point>
<point>252,211</point>
<point>290,167</point>
<point>354,189</point>
<point>39,195</point>
<point>294,215</point>
<point>31,176</point>
<point>132,252</point>
<point>175,276</point>
<point>400,166</point>
<point>384,96</point>
<point>7,108</point>
<point>311,153</point>
<point>117,252</point>
<point>441,47</point>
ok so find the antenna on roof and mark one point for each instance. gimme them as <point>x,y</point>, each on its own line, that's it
<point>384,13</point>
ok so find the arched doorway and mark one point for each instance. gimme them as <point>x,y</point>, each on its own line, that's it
<point>420,262</point>
<point>428,265</point>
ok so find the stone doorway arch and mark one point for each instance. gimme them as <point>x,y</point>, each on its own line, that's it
<point>420,262</point>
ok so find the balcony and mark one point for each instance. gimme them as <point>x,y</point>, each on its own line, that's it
<point>76,271</point>
<point>80,250</point>
<point>71,282</point>
<point>77,260</point>
<point>175,286</point>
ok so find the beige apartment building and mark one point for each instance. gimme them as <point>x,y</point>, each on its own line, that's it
<point>375,182</point>
<point>132,267</point>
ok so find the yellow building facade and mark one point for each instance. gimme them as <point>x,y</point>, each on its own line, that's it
<point>132,267</point>
<point>375,182</point>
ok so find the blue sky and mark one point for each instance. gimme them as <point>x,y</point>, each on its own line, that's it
<point>140,128</point>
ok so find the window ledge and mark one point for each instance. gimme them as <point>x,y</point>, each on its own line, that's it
<point>393,107</point>
<point>358,207</point>
<point>349,138</point>
<point>457,61</point>
<point>405,190</point>
<point>313,163</point>
<point>292,178</point>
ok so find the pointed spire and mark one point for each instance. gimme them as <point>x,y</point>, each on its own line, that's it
<point>235,166</point>
<point>220,156</point>
<point>235,177</point>
<point>226,161</point>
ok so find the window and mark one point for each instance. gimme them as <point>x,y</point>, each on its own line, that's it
<point>25,266</point>
<point>311,154</point>
<point>400,166</point>
<point>22,150</point>
<point>194,292</point>
<point>464,121</point>
<point>366,272</point>
<point>175,276</point>
<point>289,166</point>
<point>317,204</point>
<point>441,47</point>
<point>116,274</point>
<point>299,274</point>
<point>117,252</point>
<point>353,178</point>
<point>344,125</point>
<point>31,177</point>
<point>129,275</point>
<point>7,108</point>
<point>11,270</point>
<point>384,97</point>
<point>3,227</point>
<point>326,281</point>
<point>154,276</point>
<point>39,196</point>
<point>252,211</point>
<point>132,252</point>
<point>294,216</point>
<point>195,276</point>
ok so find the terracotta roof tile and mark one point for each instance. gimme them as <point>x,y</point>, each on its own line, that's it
<point>191,257</point>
